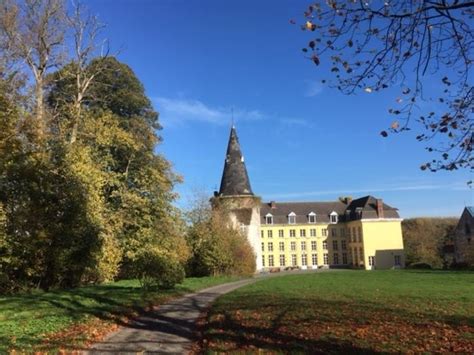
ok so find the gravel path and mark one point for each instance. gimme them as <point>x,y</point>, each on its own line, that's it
<point>170,329</point>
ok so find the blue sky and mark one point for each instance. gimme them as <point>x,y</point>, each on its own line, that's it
<point>301,140</point>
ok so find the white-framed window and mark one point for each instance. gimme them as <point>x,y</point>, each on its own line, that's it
<point>336,258</point>
<point>303,245</point>
<point>343,245</point>
<point>270,246</point>
<point>292,232</point>
<point>334,245</point>
<point>325,244</point>
<point>269,218</point>
<point>333,217</point>
<point>282,260</point>
<point>314,259</point>
<point>263,246</point>
<point>292,218</point>
<point>293,259</point>
<point>312,232</point>
<point>281,233</point>
<point>312,217</point>
<point>344,258</point>
<point>281,246</point>
<point>270,261</point>
<point>325,259</point>
<point>324,232</point>
<point>304,259</point>
<point>313,245</point>
<point>302,232</point>
<point>397,260</point>
<point>293,246</point>
<point>270,234</point>
<point>371,260</point>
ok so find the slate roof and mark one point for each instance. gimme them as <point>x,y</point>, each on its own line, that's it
<point>235,180</point>
<point>361,208</point>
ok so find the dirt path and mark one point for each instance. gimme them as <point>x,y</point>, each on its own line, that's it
<point>170,329</point>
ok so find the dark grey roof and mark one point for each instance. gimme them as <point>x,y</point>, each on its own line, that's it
<point>470,209</point>
<point>364,207</point>
<point>235,180</point>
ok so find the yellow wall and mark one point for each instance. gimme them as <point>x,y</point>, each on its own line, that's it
<point>381,239</point>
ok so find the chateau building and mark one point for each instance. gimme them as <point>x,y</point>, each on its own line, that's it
<point>464,237</point>
<point>360,233</point>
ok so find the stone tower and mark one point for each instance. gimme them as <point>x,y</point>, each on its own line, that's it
<point>235,196</point>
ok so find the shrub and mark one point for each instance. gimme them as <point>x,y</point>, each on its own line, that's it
<point>157,270</point>
<point>424,266</point>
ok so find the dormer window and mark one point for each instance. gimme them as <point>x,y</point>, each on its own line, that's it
<point>359,212</point>
<point>292,218</point>
<point>333,217</point>
<point>269,218</point>
<point>312,217</point>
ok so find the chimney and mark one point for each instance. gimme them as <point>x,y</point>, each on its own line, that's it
<point>273,204</point>
<point>380,208</point>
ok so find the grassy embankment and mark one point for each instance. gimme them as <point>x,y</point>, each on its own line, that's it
<point>63,319</point>
<point>347,312</point>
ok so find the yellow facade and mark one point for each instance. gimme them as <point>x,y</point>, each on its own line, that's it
<point>366,244</point>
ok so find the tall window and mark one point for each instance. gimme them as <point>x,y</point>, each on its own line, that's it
<point>263,261</point>
<point>292,218</point>
<point>361,252</point>
<point>281,233</point>
<point>344,258</point>
<point>349,233</point>
<point>314,259</point>
<point>292,232</point>
<point>324,232</point>
<point>269,219</point>
<point>270,246</point>
<point>304,260</point>
<point>333,217</point>
<point>336,258</point>
<point>270,260</point>
<point>325,244</point>
<point>293,259</point>
<point>397,260</point>
<point>325,259</point>
<point>371,261</point>
<point>263,246</point>
<point>281,246</point>
<point>303,245</point>
<point>302,232</point>
<point>293,246</point>
<point>360,235</point>
<point>334,232</point>
<point>334,245</point>
<point>343,245</point>
<point>343,232</point>
<point>262,234</point>
<point>312,217</point>
<point>270,234</point>
<point>313,245</point>
<point>282,260</point>
<point>312,232</point>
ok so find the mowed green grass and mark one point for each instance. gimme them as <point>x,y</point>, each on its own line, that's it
<point>70,318</point>
<point>347,312</point>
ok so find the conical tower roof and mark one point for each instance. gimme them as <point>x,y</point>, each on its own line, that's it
<point>235,180</point>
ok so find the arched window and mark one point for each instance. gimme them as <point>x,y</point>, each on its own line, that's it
<point>333,217</point>
<point>269,218</point>
<point>312,217</point>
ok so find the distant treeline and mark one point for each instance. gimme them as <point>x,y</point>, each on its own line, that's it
<point>425,240</point>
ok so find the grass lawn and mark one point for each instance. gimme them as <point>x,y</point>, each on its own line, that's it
<point>71,318</point>
<point>347,312</point>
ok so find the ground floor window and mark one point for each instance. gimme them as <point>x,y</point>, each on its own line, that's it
<point>263,261</point>
<point>336,258</point>
<point>371,261</point>
<point>326,259</point>
<point>314,259</point>
<point>293,259</point>
<point>397,260</point>
<point>304,260</point>
<point>344,258</point>
<point>282,260</point>
<point>270,260</point>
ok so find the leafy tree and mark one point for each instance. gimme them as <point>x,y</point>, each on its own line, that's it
<point>374,45</point>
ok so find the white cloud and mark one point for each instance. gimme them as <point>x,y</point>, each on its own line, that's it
<point>313,88</point>
<point>452,187</point>
<point>178,111</point>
